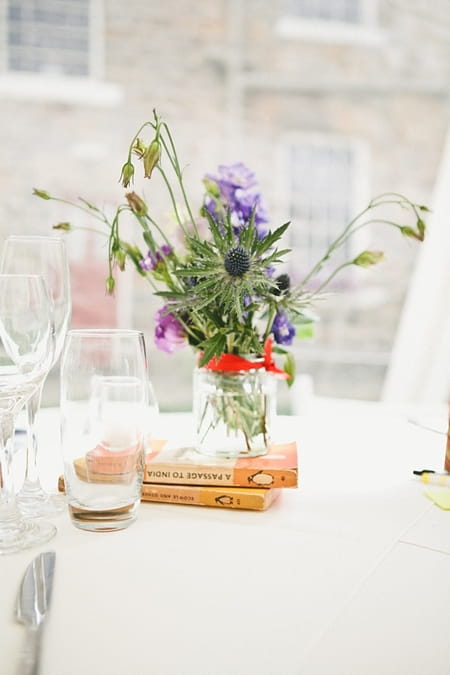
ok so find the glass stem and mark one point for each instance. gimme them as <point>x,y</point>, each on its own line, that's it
<point>9,513</point>
<point>31,481</point>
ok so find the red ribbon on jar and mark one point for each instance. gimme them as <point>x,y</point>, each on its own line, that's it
<point>234,363</point>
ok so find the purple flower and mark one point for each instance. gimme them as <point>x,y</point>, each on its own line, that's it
<point>235,183</point>
<point>282,329</point>
<point>151,260</point>
<point>169,333</point>
<point>235,176</point>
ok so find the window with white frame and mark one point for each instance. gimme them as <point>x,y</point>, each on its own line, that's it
<point>350,11</point>
<point>48,36</point>
<point>326,180</point>
<point>53,50</point>
<point>346,21</point>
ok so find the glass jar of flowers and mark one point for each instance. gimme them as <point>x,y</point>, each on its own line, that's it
<point>220,289</point>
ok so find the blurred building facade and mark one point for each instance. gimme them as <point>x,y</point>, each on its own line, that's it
<point>329,102</point>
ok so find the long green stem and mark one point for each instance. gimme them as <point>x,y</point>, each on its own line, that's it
<point>135,137</point>
<point>351,228</point>
<point>172,199</point>
<point>179,174</point>
<point>270,319</point>
<point>332,275</point>
<point>95,212</point>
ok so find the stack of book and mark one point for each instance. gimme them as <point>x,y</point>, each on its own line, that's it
<point>183,476</point>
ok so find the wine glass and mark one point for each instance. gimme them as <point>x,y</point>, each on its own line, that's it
<point>26,354</point>
<point>46,256</point>
<point>104,406</point>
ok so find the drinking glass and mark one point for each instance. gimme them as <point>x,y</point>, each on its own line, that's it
<point>47,256</point>
<point>104,403</point>
<point>26,354</point>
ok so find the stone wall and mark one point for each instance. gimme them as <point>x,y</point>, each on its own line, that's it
<point>231,87</point>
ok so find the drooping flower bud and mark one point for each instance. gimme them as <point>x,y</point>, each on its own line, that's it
<point>120,256</point>
<point>421,227</point>
<point>151,157</point>
<point>368,258</point>
<point>41,193</point>
<point>211,187</point>
<point>127,173</point>
<point>136,203</point>
<point>411,233</point>
<point>139,148</point>
<point>110,284</point>
<point>64,227</point>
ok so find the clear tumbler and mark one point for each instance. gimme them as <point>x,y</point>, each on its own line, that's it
<point>104,389</point>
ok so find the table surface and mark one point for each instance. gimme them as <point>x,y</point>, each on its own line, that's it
<point>347,575</point>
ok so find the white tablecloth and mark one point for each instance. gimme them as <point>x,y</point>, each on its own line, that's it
<point>347,575</point>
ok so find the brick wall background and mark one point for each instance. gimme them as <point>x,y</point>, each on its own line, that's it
<point>232,87</point>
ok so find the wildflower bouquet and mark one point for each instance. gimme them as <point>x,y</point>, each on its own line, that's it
<point>220,290</point>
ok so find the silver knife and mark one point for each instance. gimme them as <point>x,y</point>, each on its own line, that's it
<point>32,605</point>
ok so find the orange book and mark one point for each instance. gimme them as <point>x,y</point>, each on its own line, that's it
<point>185,466</point>
<point>255,499</point>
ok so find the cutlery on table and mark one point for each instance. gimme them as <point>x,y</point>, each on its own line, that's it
<point>32,606</point>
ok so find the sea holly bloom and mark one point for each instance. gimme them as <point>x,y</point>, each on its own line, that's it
<point>169,332</point>
<point>283,282</point>
<point>236,261</point>
<point>150,262</point>
<point>282,329</point>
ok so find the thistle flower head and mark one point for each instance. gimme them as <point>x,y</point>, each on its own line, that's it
<point>236,261</point>
<point>283,282</point>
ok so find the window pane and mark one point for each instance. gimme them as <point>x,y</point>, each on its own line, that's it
<point>49,36</point>
<point>321,199</point>
<point>338,10</point>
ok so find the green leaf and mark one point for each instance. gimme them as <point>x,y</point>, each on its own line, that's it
<point>304,331</point>
<point>194,272</point>
<point>171,295</point>
<point>269,240</point>
<point>214,346</point>
<point>149,241</point>
<point>214,229</point>
<point>289,368</point>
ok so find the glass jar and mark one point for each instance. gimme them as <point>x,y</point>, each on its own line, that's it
<point>234,411</point>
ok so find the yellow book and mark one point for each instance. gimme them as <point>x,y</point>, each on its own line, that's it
<point>255,499</point>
